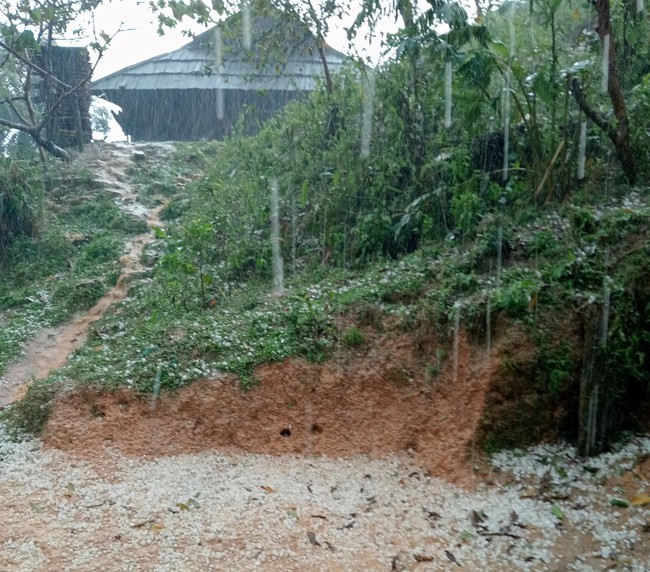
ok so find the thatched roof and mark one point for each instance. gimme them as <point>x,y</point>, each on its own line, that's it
<point>283,56</point>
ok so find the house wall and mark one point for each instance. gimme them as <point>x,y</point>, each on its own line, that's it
<point>189,115</point>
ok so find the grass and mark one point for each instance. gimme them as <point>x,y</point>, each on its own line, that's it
<point>30,414</point>
<point>67,266</point>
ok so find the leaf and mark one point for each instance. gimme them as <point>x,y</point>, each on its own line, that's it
<point>466,535</point>
<point>500,49</point>
<point>37,508</point>
<point>267,490</point>
<point>622,503</point>
<point>557,512</point>
<point>640,500</point>
<point>312,539</point>
<point>182,506</point>
<point>402,223</point>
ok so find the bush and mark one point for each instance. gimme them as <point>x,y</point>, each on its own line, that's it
<point>78,296</point>
<point>19,204</point>
<point>30,414</point>
<point>353,337</point>
<point>102,249</point>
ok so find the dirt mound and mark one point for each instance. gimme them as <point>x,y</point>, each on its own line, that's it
<point>375,404</point>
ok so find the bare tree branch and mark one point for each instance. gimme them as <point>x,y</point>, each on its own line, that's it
<point>11,103</point>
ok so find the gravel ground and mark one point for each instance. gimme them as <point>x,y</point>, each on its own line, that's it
<point>541,511</point>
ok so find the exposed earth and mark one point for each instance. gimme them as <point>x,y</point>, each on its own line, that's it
<point>363,463</point>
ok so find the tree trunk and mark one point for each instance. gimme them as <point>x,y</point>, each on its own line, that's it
<point>619,134</point>
<point>587,408</point>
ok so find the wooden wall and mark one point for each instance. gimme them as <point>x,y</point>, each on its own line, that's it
<point>69,123</point>
<point>191,114</point>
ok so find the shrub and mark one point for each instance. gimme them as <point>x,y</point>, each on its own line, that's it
<point>19,204</point>
<point>353,337</point>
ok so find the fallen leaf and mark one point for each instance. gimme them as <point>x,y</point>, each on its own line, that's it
<point>37,508</point>
<point>557,512</point>
<point>477,518</point>
<point>622,503</point>
<point>267,490</point>
<point>452,557</point>
<point>312,539</point>
<point>466,535</point>
<point>432,515</point>
<point>640,500</point>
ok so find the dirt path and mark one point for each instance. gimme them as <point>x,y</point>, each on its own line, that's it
<point>50,348</point>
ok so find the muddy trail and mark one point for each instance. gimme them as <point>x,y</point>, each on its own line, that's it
<point>363,463</point>
<point>51,347</point>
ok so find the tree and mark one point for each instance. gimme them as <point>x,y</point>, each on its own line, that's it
<point>28,31</point>
<point>619,131</point>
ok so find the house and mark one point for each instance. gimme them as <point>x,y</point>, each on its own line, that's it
<point>225,75</point>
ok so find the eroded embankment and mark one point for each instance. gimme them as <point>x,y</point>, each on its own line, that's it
<point>375,404</point>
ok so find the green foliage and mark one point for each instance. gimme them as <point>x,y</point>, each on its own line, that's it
<point>101,249</point>
<point>310,326</point>
<point>20,204</point>
<point>68,265</point>
<point>30,414</point>
<point>76,296</point>
<point>174,209</point>
<point>639,103</point>
<point>411,232</point>
<point>556,363</point>
<point>103,213</point>
<point>517,292</point>
<point>353,337</point>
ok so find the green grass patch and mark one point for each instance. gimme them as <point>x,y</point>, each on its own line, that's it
<point>30,414</point>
